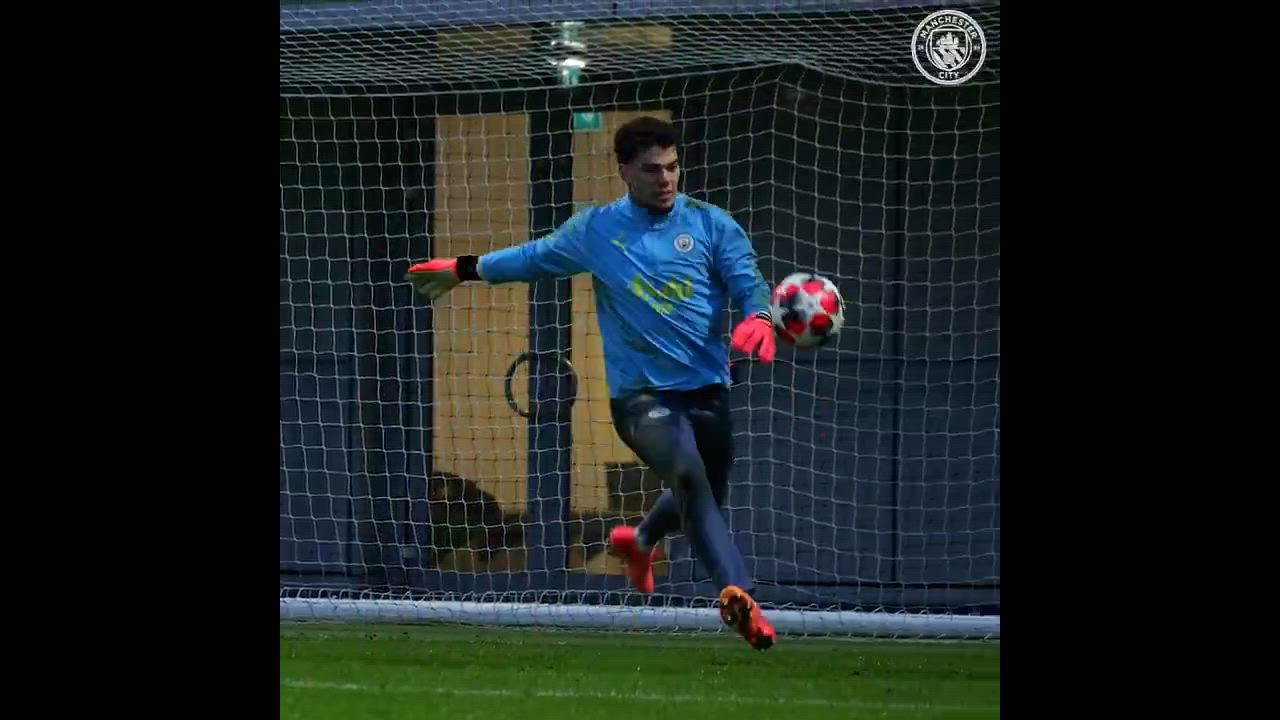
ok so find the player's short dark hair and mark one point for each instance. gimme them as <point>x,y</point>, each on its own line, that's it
<point>641,134</point>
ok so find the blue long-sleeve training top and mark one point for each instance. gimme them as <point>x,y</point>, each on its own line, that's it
<point>661,282</point>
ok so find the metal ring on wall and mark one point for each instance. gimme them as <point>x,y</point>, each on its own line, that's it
<point>530,357</point>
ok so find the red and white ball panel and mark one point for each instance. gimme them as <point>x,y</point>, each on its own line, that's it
<point>807,310</point>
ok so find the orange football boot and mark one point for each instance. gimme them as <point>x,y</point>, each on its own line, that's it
<point>741,613</point>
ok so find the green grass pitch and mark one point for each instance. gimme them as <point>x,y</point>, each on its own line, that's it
<point>461,673</point>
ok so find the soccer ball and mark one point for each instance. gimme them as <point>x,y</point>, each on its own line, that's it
<point>807,310</point>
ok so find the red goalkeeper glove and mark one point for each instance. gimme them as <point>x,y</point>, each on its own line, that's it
<point>755,334</point>
<point>434,278</point>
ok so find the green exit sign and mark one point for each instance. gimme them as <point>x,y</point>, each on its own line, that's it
<point>588,121</point>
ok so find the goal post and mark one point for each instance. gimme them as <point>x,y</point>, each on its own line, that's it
<point>458,462</point>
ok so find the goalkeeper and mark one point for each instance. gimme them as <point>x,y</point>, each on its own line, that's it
<point>664,265</point>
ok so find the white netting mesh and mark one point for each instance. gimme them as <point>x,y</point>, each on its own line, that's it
<point>868,474</point>
<point>389,48</point>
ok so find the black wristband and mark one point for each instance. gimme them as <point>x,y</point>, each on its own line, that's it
<point>466,267</point>
<point>764,315</point>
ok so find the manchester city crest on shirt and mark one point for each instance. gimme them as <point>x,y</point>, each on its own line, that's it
<point>684,242</point>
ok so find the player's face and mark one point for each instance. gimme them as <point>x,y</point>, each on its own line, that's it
<point>652,177</point>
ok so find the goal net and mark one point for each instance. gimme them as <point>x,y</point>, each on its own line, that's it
<point>458,462</point>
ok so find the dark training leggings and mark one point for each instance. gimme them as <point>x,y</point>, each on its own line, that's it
<point>687,438</point>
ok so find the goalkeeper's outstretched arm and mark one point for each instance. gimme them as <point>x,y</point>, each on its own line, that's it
<point>735,262</point>
<point>560,254</point>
